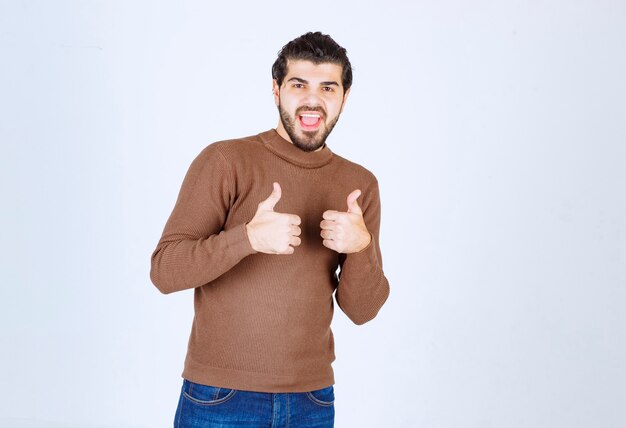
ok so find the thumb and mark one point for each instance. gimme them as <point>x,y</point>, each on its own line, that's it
<point>353,206</point>
<point>272,200</point>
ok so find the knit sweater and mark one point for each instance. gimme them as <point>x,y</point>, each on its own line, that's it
<point>262,321</point>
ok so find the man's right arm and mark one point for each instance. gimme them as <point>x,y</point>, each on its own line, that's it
<point>194,249</point>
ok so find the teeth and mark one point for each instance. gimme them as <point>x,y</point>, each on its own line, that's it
<point>310,115</point>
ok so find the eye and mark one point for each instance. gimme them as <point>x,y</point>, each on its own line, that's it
<point>328,89</point>
<point>298,85</point>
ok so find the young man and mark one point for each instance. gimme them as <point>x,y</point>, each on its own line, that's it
<point>260,227</point>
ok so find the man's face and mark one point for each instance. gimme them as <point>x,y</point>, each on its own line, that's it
<point>309,102</point>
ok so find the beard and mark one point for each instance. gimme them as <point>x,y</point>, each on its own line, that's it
<point>310,140</point>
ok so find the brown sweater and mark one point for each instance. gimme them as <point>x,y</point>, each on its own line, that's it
<point>262,321</point>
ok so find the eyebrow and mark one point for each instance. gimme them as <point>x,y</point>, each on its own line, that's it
<point>299,80</point>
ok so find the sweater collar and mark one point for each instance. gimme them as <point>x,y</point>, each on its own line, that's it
<point>287,151</point>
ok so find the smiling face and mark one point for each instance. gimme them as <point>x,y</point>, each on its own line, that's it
<point>309,101</point>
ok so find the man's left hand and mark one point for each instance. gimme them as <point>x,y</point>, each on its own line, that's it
<point>345,232</point>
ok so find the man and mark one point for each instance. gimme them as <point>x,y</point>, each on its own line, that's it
<point>260,227</point>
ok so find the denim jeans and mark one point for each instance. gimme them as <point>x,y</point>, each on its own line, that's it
<point>213,407</point>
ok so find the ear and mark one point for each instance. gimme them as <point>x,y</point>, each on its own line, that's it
<point>345,97</point>
<point>276,92</point>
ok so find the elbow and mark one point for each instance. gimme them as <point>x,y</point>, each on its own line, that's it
<point>169,278</point>
<point>365,313</point>
<point>157,278</point>
<point>360,320</point>
<point>160,284</point>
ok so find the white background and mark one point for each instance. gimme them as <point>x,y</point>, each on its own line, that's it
<point>497,131</point>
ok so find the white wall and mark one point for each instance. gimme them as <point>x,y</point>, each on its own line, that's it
<point>496,129</point>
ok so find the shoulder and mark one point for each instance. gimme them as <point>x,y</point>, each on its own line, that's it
<point>221,156</point>
<point>232,148</point>
<point>355,170</point>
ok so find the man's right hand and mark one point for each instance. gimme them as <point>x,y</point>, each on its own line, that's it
<point>271,232</point>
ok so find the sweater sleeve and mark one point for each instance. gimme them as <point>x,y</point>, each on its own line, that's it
<point>363,287</point>
<point>194,249</point>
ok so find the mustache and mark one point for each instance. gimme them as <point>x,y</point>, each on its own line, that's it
<point>318,109</point>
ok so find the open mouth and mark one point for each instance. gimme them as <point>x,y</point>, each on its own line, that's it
<point>310,121</point>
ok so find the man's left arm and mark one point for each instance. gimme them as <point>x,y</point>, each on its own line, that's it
<point>363,287</point>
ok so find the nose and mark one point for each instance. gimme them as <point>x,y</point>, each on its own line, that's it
<point>312,98</point>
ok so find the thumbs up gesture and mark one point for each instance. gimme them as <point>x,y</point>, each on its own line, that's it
<point>271,232</point>
<point>345,232</point>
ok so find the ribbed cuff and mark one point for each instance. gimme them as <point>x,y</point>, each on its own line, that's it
<point>367,256</point>
<point>238,242</point>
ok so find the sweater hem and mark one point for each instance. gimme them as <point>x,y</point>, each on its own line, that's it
<point>258,382</point>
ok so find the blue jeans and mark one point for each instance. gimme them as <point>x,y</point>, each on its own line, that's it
<point>203,406</point>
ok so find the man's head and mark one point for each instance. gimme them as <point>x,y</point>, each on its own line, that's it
<point>315,47</point>
<point>311,80</point>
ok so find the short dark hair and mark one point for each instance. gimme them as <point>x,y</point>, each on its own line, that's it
<point>315,47</point>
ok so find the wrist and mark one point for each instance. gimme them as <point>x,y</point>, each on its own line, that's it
<point>366,243</point>
<point>250,235</point>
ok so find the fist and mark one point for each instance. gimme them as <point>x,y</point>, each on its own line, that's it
<point>345,232</point>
